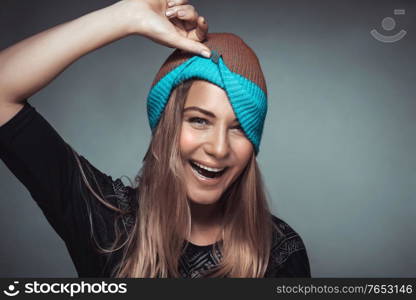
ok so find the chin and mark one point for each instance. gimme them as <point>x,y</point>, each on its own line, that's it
<point>203,198</point>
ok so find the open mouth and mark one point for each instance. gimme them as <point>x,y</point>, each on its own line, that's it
<point>207,173</point>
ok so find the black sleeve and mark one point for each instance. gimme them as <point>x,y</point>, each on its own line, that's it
<point>35,153</point>
<point>47,166</point>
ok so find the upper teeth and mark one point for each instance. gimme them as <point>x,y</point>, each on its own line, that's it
<point>208,168</point>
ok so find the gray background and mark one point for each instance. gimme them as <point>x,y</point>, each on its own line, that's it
<point>338,149</point>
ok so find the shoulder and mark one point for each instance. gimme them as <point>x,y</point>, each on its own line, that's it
<point>288,256</point>
<point>112,191</point>
<point>282,231</point>
<point>126,195</point>
<point>126,199</point>
<point>286,240</point>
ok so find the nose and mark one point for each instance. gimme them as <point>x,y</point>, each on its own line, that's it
<point>218,144</point>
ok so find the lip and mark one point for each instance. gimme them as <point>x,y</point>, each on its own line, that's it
<point>203,180</point>
<point>208,165</point>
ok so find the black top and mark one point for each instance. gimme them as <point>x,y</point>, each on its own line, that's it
<point>37,155</point>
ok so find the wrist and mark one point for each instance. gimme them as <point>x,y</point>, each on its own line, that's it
<point>129,15</point>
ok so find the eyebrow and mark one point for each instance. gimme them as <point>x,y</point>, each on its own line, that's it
<point>205,112</point>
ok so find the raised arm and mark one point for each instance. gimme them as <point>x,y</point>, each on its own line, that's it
<point>42,57</point>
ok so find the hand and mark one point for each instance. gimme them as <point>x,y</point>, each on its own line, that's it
<point>177,25</point>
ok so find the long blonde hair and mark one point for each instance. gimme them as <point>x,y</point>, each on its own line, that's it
<point>153,246</point>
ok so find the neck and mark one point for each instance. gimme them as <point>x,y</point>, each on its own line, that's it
<point>205,214</point>
<point>206,223</point>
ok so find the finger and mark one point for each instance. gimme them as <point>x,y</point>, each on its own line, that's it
<point>187,13</point>
<point>172,3</point>
<point>183,12</point>
<point>201,30</point>
<point>190,45</point>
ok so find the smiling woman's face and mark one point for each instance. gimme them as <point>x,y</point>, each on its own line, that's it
<point>211,137</point>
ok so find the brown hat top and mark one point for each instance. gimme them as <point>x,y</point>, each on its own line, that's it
<point>237,55</point>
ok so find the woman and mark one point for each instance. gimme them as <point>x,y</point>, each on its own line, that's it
<point>198,207</point>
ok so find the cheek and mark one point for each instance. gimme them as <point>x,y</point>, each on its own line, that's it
<point>243,150</point>
<point>188,140</point>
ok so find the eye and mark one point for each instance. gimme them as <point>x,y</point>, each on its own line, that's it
<point>238,127</point>
<point>198,121</point>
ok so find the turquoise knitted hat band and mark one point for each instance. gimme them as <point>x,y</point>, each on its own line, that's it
<point>248,100</point>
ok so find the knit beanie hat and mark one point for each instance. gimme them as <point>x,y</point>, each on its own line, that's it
<point>233,66</point>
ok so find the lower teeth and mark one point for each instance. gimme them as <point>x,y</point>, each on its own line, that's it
<point>200,175</point>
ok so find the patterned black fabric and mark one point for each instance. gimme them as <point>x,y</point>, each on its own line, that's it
<point>199,259</point>
<point>288,257</point>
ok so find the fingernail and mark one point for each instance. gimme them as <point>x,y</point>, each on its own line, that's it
<point>205,53</point>
<point>181,13</point>
<point>203,20</point>
<point>169,12</point>
<point>171,3</point>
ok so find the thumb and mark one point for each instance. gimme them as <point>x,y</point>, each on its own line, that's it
<point>189,45</point>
